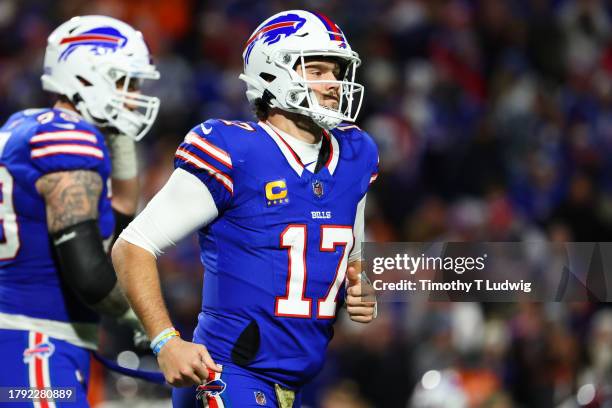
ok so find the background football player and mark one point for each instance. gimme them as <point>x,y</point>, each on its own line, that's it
<point>279,209</point>
<point>57,205</point>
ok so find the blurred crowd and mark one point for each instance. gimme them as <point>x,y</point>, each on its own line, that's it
<point>494,123</point>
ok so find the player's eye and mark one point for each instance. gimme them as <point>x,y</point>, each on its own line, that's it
<point>133,85</point>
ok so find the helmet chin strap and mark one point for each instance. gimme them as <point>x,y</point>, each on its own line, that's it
<point>81,107</point>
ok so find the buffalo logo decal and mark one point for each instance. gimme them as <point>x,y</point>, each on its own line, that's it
<point>101,41</point>
<point>276,29</point>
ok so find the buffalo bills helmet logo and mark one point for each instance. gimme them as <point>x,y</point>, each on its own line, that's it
<point>41,350</point>
<point>101,40</point>
<point>211,388</point>
<point>274,31</point>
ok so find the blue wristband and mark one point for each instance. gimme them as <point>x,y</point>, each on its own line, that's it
<point>160,336</point>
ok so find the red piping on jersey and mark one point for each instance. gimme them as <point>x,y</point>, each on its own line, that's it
<point>214,148</point>
<point>295,156</point>
<point>55,149</point>
<point>331,149</point>
<point>215,173</point>
<point>38,370</point>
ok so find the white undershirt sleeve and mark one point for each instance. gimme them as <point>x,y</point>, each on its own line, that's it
<point>358,231</point>
<point>182,206</point>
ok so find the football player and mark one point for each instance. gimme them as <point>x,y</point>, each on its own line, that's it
<point>278,205</point>
<point>56,205</point>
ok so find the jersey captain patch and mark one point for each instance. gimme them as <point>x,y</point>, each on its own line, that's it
<point>276,193</point>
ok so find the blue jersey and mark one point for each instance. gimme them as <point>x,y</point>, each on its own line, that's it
<point>275,258</point>
<point>33,143</point>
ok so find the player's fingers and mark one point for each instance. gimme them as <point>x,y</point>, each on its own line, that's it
<point>362,319</point>
<point>184,378</point>
<point>358,301</point>
<point>353,277</point>
<point>192,379</point>
<point>354,291</point>
<point>360,310</point>
<point>353,301</point>
<point>199,369</point>
<point>208,361</point>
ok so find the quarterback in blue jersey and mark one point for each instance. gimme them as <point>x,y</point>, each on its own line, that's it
<point>61,200</point>
<point>278,205</point>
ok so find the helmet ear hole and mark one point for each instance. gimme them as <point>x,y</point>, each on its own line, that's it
<point>267,77</point>
<point>83,81</point>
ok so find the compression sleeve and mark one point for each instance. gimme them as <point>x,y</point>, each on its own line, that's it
<point>83,262</point>
<point>182,206</point>
<point>358,231</point>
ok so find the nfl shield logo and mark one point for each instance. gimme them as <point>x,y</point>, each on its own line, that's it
<point>317,188</point>
<point>260,398</point>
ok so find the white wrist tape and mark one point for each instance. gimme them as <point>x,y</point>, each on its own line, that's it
<point>123,157</point>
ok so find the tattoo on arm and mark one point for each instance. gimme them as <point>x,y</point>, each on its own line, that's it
<point>71,197</point>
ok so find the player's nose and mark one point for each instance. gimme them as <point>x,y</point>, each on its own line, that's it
<point>332,85</point>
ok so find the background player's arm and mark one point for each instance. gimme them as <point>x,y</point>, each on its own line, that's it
<point>72,199</point>
<point>124,179</point>
<point>125,196</point>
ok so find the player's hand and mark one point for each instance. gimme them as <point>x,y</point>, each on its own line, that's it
<point>185,364</point>
<point>358,308</point>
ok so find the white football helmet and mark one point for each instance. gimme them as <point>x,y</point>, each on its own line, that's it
<point>286,39</point>
<point>85,59</point>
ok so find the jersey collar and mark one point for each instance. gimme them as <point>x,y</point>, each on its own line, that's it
<point>293,159</point>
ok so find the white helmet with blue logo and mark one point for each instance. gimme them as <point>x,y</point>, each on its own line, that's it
<point>285,40</point>
<point>98,62</point>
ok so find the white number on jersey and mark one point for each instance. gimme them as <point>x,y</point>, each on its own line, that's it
<point>9,243</point>
<point>294,238</point>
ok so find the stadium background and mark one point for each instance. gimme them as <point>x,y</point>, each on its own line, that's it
<point>494,122</point>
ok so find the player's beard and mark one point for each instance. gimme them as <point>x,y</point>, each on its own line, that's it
<point>330,101</point>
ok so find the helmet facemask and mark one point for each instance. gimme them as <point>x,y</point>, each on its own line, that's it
<point>301,98</point>
<point>130,111</point>
<point>121,105</point>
